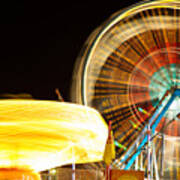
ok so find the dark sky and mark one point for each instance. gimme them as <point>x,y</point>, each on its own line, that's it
<point>40,41</point>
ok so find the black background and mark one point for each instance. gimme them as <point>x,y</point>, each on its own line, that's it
<point>40,41</point>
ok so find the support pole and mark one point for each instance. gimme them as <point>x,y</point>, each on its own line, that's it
<point>73,171</point>
<point>141,161</point>
<point>152,162</point>
<point>137,160</point>
<point>73,164</point>
<point>162,156</point>
<point>149,153</point>
<point>107,173</point>
<point>49,175</point>
<point>155,163</point>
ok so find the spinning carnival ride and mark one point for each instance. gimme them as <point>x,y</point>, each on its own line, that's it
<point>39,135</point>
<point>129,70</point>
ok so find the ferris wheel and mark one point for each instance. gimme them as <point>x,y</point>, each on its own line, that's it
<point>126,70</point>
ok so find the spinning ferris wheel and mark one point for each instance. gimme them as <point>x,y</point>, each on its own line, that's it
<point>125,70</point>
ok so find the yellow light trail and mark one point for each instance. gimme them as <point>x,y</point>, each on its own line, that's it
<point>40,135</point>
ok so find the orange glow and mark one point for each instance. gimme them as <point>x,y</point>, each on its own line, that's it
<point>17,174</point>
<point>40,135</point>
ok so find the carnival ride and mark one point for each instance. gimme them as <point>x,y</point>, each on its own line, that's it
<point>129,71</point>
<point>40,135</point>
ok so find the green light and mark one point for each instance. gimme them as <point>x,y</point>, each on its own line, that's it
<point>120,145</point>
<point>135,125</point>
<point>143,110</point>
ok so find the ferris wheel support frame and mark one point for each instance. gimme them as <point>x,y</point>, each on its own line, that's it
<point>153,123</point>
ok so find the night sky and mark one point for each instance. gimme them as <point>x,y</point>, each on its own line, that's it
<point>40,41</point>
